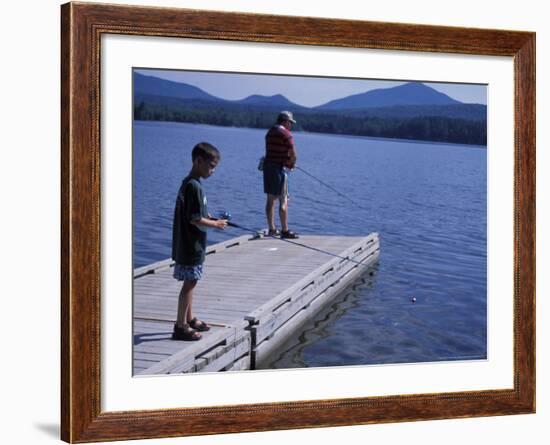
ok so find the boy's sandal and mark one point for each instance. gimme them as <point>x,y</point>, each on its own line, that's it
<point>289,235</point>
<point>275,232</point>
<point>199,325</point>
<point>185,334</point>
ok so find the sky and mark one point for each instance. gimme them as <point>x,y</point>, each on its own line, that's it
<point>306,91</point>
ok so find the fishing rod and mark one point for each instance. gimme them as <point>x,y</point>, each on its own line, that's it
<point>227,217</point>
<point>331,188</point>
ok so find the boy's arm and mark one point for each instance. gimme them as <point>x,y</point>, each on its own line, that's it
<point>212,223</point>
<point>192,202</point>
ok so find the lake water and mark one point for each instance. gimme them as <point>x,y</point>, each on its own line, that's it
<point>427,201</point>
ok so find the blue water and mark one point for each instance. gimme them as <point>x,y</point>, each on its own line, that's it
<point>426,200</point>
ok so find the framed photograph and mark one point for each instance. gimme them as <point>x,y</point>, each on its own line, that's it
<point>275,222</point>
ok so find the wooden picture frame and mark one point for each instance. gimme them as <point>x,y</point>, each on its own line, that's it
<point>82,26</point>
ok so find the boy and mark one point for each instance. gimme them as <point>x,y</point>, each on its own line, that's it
<point>191,219</point>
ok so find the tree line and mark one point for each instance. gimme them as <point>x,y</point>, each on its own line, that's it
<point>427,128</point>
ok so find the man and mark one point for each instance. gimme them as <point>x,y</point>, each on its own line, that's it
<point>280,155</point>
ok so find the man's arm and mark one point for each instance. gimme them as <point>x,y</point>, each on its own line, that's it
<point>291,162</point>
<point>292,158</point>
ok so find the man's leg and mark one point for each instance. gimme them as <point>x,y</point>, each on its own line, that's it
<point>283,204</point>
<point>270,211</point>
<point>283,213</point>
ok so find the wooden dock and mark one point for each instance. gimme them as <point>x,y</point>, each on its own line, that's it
<point>256,292</point>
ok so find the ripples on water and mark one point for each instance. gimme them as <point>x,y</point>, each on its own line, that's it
<point>427,201</point>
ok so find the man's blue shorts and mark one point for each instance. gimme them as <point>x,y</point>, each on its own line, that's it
<point>275,179</point>
<point>187,273</point>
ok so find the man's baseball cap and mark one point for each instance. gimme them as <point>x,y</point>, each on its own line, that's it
<point>286,116</point>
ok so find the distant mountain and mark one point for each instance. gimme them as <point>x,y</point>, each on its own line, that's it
<point>153,86</point>
<point>409,111</point>
<point>278,101</point>
<point>413,93</point>
<point>161,91</point>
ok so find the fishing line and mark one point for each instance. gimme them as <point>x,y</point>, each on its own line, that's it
<point>227,216</point>
<point>332,188</point>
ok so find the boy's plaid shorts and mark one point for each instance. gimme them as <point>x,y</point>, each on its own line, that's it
<point>187,273</point>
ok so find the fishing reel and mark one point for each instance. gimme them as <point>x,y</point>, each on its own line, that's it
<point>225,215</point>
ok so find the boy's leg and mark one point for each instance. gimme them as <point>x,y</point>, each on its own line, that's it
<point>185,301</point>
<point>189,313</point>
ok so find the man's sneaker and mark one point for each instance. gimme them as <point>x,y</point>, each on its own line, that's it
<point>289,235</point>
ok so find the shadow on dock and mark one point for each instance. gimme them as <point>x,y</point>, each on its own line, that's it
<point>151,337</point>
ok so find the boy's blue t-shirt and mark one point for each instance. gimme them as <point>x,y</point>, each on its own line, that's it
<point>188,239</point>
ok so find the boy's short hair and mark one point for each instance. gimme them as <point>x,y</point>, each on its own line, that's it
<point>205,151</point>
